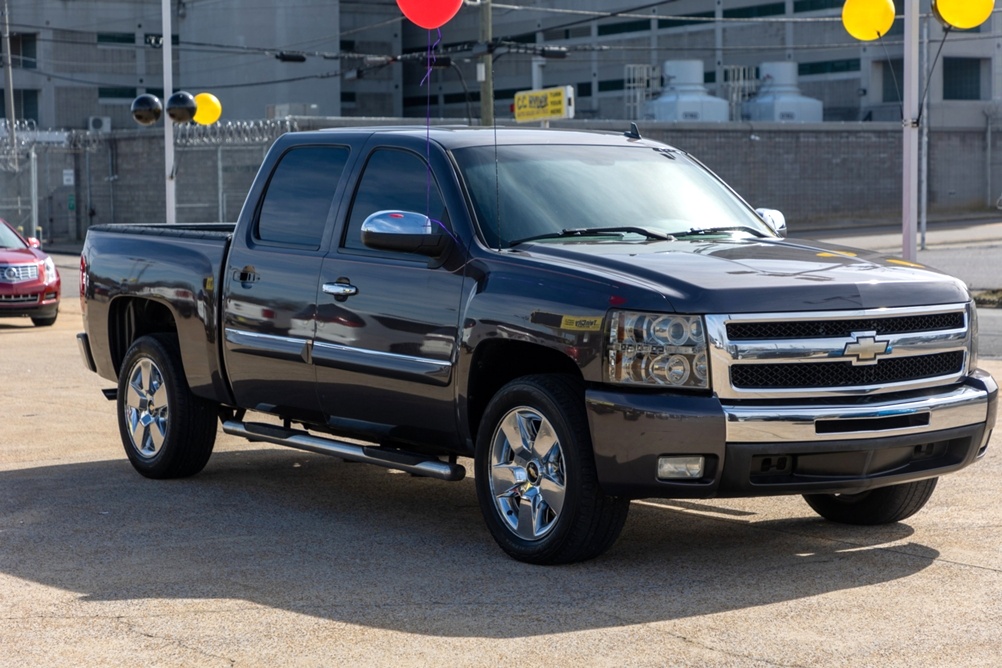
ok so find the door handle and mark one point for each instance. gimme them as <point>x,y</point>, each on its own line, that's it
<point>341,291</point>
<point>245,275</point>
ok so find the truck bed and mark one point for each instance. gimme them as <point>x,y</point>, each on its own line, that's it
<point>170,272</point>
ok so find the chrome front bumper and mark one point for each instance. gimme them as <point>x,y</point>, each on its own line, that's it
<point>961,406</point>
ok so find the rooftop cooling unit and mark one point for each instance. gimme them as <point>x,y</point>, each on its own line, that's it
<point>779,98</point>
<point>684,97</point>
<point>99,124</point>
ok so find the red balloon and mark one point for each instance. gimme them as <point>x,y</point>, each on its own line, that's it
<point>430,14</point>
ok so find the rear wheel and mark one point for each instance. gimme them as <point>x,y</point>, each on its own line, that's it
<point>535,474</point>
<point>883,505</point>
<point>167,431</point>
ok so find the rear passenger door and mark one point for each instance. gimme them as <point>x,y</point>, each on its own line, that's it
<point>269,310</point>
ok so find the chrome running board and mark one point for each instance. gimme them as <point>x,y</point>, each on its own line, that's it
<point>418,464</point>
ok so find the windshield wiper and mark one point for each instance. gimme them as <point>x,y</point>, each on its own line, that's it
<point>598,231</point>
<point>704,231</point>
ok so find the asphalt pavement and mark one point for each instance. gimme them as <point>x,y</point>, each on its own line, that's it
<point>970,250</point>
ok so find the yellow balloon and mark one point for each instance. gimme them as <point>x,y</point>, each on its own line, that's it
<point>867,20</point>
<point>207,109</point>
<point>963,14</point>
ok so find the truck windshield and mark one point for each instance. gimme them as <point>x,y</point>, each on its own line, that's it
<point>543,191</point>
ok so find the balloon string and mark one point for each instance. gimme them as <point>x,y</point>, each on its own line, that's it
<point>431,57</point>
<point>444,229</point>
<point>894,77</point>
<point>427,141</point>
<point>928,80</point>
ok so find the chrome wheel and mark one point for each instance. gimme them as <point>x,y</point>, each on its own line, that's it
<point>527,473</point>
<point>166,430</point>
<point>147,409</point>
<point>535,473</point>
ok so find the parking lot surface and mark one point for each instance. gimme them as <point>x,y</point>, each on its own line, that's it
<point>277,557</point>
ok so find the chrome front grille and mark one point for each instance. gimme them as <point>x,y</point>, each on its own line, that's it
<point>809,329</point>
<point>844,374</point>
<point>18,273</point>
<point>776,355</point>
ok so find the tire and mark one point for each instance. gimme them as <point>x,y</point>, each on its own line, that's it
<point>883,505</point>
<point>535,474</point>
<point>48,321</point>
<point>167,431</point>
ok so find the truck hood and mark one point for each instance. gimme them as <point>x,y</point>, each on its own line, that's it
<point>741,275</point>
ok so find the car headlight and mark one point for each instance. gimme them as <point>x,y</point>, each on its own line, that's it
<point>657,349</point>
<point>50,270</point>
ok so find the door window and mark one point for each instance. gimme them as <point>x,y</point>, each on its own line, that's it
<point>299,196</point>
<point>398,180</point>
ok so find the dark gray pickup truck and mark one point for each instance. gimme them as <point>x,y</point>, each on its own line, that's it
<point>592,318</point>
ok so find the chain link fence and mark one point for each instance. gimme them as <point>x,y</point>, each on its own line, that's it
<point>56,184</point>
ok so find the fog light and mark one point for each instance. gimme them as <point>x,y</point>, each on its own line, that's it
<point>674,468</point>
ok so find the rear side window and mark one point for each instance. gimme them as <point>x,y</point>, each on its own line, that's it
<point>299,196</point>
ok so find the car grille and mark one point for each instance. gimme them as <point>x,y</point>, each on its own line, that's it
<point>807,329</point>
<point>844,374</point>
<point>775,355</point>
<point>18,299</point>
<point>18,273</point>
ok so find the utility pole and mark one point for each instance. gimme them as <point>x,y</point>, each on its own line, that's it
<point>910,137</point>
<point>487,60</point>
<point>8,67</point>
<point>168,54</point>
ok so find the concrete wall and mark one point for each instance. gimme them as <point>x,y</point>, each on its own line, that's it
<point>820,175</point>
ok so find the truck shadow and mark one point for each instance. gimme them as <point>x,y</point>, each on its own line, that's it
<point>345,542</point>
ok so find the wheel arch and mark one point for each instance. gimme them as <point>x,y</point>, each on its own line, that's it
<point>496,363</point>
<point>130,318</point>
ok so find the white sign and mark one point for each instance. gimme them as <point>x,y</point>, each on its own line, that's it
<point>68,178</point>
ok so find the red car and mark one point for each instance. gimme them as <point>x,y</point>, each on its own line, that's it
<point>29,282</point>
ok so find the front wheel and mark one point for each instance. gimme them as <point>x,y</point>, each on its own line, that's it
<point>883,505</point>
<point>167,431</point>
<point>44,321</point>
<point>535,474</point>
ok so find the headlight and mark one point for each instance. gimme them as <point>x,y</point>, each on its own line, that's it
<point>655,349</point>
<point>50,270</point>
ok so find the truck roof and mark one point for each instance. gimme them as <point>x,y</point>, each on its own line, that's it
<point>461,136</point>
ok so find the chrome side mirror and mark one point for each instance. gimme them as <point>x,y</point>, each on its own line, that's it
<point>774,219</point>
<point>405,232</point>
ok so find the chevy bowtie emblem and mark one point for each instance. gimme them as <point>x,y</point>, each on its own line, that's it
<point>865,348</point>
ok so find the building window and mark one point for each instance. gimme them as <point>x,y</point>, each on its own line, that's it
<point>894,76</point>
<point>756,11</point>
<point>828,67</point>
<point>624,27</point>
<point>23,51</point>
<point>816,5</point>
<point>25,105</point>
<point>116,38</point>
<point>962,79</point>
